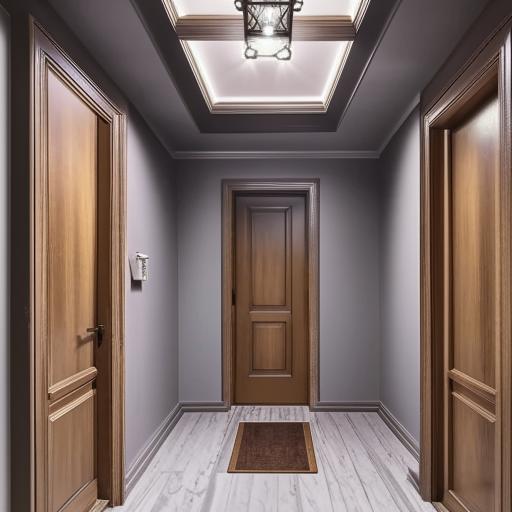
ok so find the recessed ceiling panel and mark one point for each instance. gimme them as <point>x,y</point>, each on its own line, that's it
<point>227,92</point>
<point>226,7</point>
<point>230,83</point>
<point>308,78</point>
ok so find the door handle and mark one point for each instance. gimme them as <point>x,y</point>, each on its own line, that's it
<point>98,331</point>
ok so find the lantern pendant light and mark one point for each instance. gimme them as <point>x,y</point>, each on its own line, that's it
<point>268,27</point>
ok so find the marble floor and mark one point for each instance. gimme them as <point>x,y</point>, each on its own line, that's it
<point>362,467</point>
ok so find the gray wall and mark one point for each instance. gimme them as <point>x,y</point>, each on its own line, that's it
<point>151,342</point>
<point>151,309</point>
<point>399,275</point>
<point>4,251</point>
<point>349,267</point>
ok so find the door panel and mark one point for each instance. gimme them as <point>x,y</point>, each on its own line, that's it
<point>72,437</point>
<point>475,171</point>
<point>269,228</point>
<point>472,326</point>
<point>473,455</point>
<point>271,352</point>
<point>72,276</point>
<point>269,346</point>
<point>72,159</point>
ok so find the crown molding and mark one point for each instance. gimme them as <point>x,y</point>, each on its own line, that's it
<point>361,13</point>
<point>203,86</point>
<point>264,107</point>
<point>337,77</point>
<point>274,155</point>
<point>172,12</point>
<point>269,107</point>
<point>228,28</point>
<point>157,17</point>
<point>231,28</point>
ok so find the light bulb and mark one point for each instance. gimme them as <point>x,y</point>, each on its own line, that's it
<point>268,30</point>
<point>269,21</point>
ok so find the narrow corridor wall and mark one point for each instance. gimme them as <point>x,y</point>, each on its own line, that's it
<point>151,309</point>
<point>400,275</point>
<point>349,265</point>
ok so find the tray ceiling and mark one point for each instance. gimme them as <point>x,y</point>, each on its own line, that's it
<point>231,84</point>
<point>226,93</point>
<point>135,42</point>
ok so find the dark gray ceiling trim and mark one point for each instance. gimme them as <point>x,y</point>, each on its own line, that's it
<point>159,27</point>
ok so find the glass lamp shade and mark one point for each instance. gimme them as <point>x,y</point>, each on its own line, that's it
<point>268,27</point>
<point>268,47</point>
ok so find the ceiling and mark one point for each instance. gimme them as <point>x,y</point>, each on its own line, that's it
<point>225,7</point>
<point>232,84</point>
<point>238,85</point>
<point>173,37</point>
<point>414,42</point>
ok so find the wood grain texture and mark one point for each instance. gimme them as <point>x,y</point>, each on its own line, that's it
<point>229,189</point>
<point>76,381</point>
<point>72,294</point>
<point>72,453</point>
<point>473,480</point>
<point>271,343</point>
<point>69,132</point>
<point>269,346</point>
<point>466,284</point>
<point>72,205</point>
<point>85,500</point>
<point>231,28</point>
<point>362,466</point>
<point>475,203</point>
<point>269,245</point>
<point>472,338</point>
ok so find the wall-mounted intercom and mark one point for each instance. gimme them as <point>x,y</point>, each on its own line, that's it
<point>139,266</point>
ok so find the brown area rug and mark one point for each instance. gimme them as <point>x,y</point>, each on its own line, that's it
<point>273,448</point>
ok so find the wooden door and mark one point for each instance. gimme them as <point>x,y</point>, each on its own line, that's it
<point>472,327</point>
<point>77,147</point>
<point>270,296</point>
<point>77,273</point>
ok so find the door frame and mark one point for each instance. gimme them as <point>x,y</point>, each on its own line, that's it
<point>48,55</point>
<point>310,188</point>
<point>490,69</point>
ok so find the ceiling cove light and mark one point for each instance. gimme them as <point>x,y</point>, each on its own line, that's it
<point>268,27</point>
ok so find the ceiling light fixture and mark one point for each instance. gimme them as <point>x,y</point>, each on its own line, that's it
<point>268,27</point>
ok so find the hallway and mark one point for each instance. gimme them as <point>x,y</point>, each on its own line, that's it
<point>257,255</point>
<point>362,467</point>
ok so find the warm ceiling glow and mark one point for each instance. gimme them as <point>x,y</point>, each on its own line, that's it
<point>304,81</point>
<point>311,7</point>
<point>307,78</point>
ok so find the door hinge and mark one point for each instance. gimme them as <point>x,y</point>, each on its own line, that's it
<point>233,297</point>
